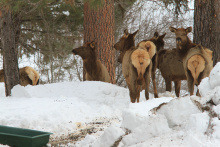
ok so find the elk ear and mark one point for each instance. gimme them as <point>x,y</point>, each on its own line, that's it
<point>135,33</point>
<point>93,44</point>
<point>172,29</point>
<point>126,32</point>
<point>162,36</point>
<point>156,34</point>
<point>189,29</point>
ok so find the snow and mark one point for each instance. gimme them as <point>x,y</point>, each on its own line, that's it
<point>105,110</point>
<point>210,86</point>
<point>67,13</point>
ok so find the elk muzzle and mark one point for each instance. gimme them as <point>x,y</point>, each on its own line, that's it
<point>178,40</point>
<point>74,52</point>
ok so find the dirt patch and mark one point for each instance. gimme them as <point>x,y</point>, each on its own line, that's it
<point>97,125</point>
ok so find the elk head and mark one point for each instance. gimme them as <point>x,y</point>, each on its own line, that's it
<point>125,43</point>
<point>181,36</point>
<point>158,40</point>
<point>85,51</point>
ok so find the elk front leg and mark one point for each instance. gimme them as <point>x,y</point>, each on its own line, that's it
<point>168,85</point>
<point>177,87</point>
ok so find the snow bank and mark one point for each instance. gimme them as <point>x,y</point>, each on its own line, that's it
<point>210,86</point>
<point>109,137</point>
<point>60,107</point>
<point>144,128</point>
<point>179,122</point>
<point>178,111</point>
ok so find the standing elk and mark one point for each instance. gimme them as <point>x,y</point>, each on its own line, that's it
<point>158,41</point>
<point>126,42</point>
<point>27,76</point>
<point>95,70</point>
<point>169,63</point>
<point>197,60</point>
<point>136,64</point>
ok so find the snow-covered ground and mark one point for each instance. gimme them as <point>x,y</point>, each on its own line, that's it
<point>100,114</point>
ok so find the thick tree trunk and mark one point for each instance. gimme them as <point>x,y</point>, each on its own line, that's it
<point>99,27</point>
<point>10,60</point>
<point>207,25</point>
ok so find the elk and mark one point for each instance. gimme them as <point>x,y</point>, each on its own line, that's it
<point>126,42</point>
<point>27,76</point>
<point>158,41</point>
<point>197,60</point>
<point>95,70</point>
<point>136,64</point>
<point>169,63</point>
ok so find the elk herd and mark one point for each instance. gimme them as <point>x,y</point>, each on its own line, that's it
<point>188,61</point>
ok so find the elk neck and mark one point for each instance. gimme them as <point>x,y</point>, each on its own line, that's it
<point>186,47</point>
<point>91,64</point>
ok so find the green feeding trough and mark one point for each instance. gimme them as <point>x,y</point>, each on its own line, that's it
<point>20,137</point>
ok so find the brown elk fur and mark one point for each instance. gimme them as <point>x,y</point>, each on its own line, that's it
<point>171,67</point>
<point>95,70</point>
<point>27,76</point>
<point>197,60</point>
<point>169,63</point>
<point>126,42</point>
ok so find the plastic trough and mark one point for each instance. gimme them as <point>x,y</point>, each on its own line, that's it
<point>20,137</point>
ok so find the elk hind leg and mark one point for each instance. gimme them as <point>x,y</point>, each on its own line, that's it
<point>133,96</point>
<point>133,90</point>
<point>199,80</point>
<point>138,93</point>
<point>154,84</point>
<point>190,82</point>
<point>147,84</point>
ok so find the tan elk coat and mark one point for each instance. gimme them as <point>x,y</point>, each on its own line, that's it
<point>27,76</point>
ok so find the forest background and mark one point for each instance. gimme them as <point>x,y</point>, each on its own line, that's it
<point>42,33</point>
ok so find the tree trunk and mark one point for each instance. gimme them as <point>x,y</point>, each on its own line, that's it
<point>99,27</point>
<point>10,60</point>
<point>207,25</point>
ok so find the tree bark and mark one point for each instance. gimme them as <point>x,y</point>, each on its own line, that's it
<point>10,60</point>
<point>207,25</point>
<point>99,27</point>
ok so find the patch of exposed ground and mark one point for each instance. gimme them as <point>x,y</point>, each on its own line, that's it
<point>97,125</point>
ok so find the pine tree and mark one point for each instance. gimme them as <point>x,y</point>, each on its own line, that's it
<point>99,27</point>
<point>9,36</point>
<point>207,26</point>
